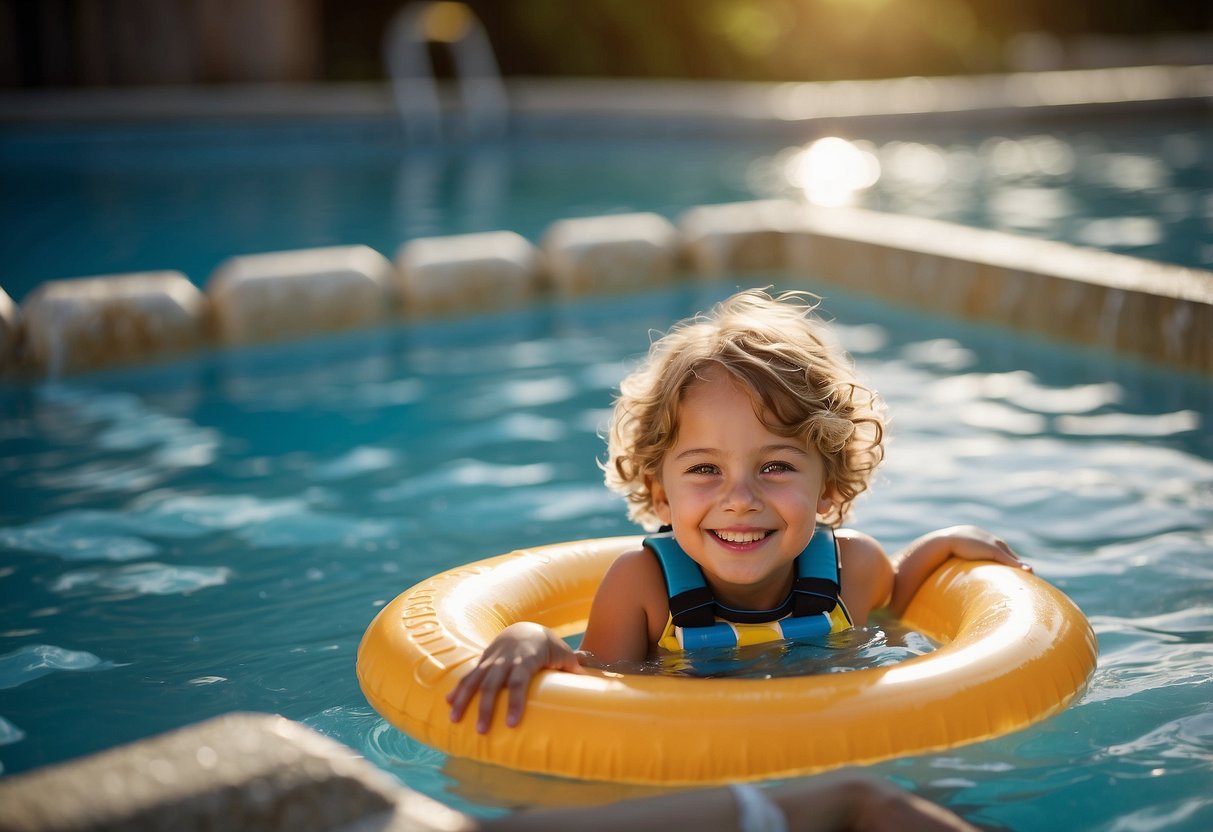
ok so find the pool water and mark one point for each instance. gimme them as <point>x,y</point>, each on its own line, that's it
<point>107,199</point>
<point>884,641</point>
<point>215,535</point>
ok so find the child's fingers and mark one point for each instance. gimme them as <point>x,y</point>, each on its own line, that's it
<point>462,693</point>
<point>978,544</point>
<point>1004,554</point>
<point>517,686</point>
<point>511,667</point>
<point>490,689</point>
<point>1013,560</point>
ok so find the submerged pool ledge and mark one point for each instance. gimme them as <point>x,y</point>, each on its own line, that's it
<point>1150,310</point>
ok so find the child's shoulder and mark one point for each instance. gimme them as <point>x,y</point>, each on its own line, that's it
<point>634,585</point>
<point>860,552</point>
<point>866,573</point>
<point>636,578</point>
<point>856,544</point>
<point>639,564</point>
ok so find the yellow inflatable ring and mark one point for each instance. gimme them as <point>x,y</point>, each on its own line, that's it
<point>1014,650</point>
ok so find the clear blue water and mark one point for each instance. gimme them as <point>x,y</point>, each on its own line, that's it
<point>183,541</point>
<point>99,200</point>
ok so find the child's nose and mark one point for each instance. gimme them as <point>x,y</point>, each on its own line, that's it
<point>741,494</point>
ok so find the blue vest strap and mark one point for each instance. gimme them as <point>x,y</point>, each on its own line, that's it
<point>815,589</point>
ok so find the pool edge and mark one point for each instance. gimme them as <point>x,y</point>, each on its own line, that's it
<point>1158,312</point>
<point>239,770</point>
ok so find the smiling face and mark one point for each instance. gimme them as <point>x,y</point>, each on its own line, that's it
<point>743,501</point>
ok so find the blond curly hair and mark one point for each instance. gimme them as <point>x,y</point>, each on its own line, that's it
<point>803,387</point>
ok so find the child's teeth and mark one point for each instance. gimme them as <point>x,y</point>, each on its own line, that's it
<point>740,537</point>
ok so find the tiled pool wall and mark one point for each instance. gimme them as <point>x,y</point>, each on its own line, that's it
<point>264,772</point>
<point>1154,311</point>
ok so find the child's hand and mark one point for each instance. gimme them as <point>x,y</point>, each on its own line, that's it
<point>973,543</point>
<point>510,662</point>
<point>913,564</point>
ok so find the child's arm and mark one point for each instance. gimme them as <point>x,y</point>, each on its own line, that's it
<point>913,564</point>
<point>842,800</point>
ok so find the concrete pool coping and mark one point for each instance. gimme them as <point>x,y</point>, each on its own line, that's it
<point>237,771</point>
<point>197,777</point>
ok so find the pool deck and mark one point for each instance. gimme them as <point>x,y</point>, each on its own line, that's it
<point>725,105</point>
<point>257,771</point>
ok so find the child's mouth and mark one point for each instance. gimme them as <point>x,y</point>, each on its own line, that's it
<point>740,538</point>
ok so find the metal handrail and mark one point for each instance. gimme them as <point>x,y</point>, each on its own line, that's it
<point>484,110</point>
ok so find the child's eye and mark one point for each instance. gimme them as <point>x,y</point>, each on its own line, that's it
<point>705,468</point>
<point>777,468</point>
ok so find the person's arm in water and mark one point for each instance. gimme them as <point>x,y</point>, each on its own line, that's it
<point>826,803</point>
<point>618,630</point>
<point>913,564</point>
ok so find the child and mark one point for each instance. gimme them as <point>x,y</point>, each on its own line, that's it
<point>747,433</point>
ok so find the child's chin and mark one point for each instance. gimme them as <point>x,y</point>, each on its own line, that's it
<point>742,577</point>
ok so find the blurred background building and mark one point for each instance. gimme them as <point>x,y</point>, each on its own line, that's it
<point>90,43</point>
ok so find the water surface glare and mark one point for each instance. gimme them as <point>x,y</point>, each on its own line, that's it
<point>183,541</point>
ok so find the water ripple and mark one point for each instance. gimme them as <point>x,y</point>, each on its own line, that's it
<point>463,473</point>
<point>1140,656</point>
<point>1170,814</point>
<point>534,392</point>
<point>1131,424</point>
<point>121,536</point>
<point>508,429</point>
<point>144,579</point>
<point>1022,389</point>
<point>9,733</point>
<point>126,423</point>
<point>1185,738</point>
<point>36,660</point>
<point>82,535</point>
<point>363,459</point>
<point>307,529</point>
<point>189,515</point>
<point>360,727</point>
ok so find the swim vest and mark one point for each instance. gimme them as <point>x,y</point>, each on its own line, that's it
<point>813,608</point>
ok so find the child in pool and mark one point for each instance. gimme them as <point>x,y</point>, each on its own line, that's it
<point>742,431</point>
